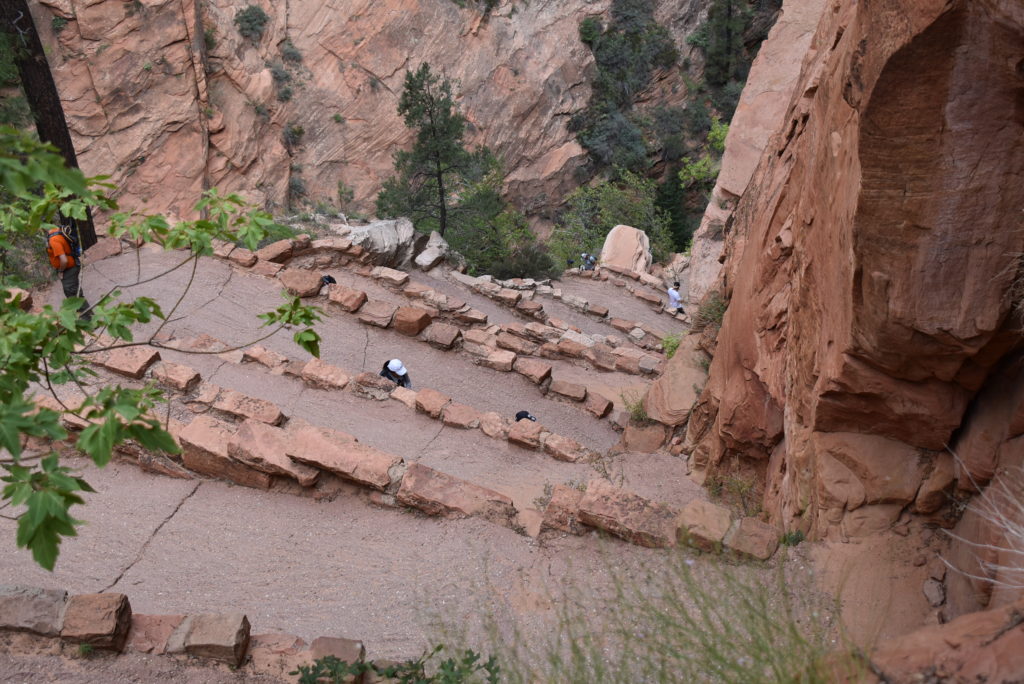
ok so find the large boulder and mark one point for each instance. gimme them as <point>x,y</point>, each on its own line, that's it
<point>433,253</point>
<point>389,243</point>
<point>672,395</point>
<point>627,248</point>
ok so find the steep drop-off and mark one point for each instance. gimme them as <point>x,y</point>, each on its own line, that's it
<point>869,268</point>
<point>168,98</point>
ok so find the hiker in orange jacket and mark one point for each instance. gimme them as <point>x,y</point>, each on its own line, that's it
<point>63,259</point>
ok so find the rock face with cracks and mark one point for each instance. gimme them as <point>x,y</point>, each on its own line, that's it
<point>866,323</point>
<point>168,113</point>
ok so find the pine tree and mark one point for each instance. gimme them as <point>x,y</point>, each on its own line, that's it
<point>430,172</point>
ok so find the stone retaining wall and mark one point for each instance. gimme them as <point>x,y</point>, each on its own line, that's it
<point>35,619</point>
<point>250,442</point>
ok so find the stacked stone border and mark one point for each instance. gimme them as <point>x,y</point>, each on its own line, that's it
<point>504,292</point>
<point>250,442</point>
<point>304,257</point>
<point>106,622</point>
<point>655,301</point>
<point>500,348</point>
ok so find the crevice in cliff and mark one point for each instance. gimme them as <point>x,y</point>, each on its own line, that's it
<point>196,40</point>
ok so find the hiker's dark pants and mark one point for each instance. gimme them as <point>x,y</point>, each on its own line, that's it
<point>73,288</point>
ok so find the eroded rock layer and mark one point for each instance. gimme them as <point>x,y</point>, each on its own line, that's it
<point>870,265</point>
<point>168,97</point>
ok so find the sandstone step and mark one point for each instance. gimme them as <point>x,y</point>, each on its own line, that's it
<point>437,493</point>
<point>264,448</point>
<point>628,515</point>
<point>244,406</point>
<point>317,373</point>
<point>31,609</point>
<point>277,252</point>
<point>340,453</point>
<point>377,313</point>
<point>411,320</point>
<point>527,434</point>
<point>752,537</point>
<point>175,376</point>
<point>460,416</point>
<point>346,298</point>
<point>204,442</point>
<point>150,633</point>
<point>99,620</point>
<point>263,356</point>
<point>131,362</point>
<point>563,509</point>
<point>223,637</point>
<point>704,525</point>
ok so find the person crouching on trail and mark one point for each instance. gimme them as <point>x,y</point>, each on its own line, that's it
<point>394,371</point>
<point>58,248</point>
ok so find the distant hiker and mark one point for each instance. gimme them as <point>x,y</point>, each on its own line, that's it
<point>525,415</point>
<point>62,257</point>
<point>673,298</point>
<point>583,261</point>
<point>394,371</point>
<point>591,262</point>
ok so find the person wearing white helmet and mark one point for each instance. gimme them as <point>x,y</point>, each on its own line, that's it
<point>395,371</point>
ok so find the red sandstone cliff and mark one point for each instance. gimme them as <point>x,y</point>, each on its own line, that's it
<point>869,268</point>
<point>150,104</point>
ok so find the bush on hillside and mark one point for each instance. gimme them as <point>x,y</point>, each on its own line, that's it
<point>711,311</point>
<point>626,53</point>
<point>252,22</point>
<point>593,211</point>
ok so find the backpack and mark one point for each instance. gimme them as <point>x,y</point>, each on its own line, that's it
<point>68,228</point>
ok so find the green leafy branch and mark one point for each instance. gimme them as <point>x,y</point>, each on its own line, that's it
<point>48,348</point>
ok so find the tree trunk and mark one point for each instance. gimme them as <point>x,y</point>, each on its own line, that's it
<point>442,200</point>
<point>41,93</point>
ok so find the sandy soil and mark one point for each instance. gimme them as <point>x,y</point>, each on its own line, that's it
<point>877,583</point>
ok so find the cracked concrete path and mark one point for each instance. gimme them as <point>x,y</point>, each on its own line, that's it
<point>145,545</point>
<point>337,568</point>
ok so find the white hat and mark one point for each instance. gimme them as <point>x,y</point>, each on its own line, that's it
<point>396,367</point>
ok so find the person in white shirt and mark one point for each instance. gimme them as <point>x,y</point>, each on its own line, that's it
<point>673,298</point>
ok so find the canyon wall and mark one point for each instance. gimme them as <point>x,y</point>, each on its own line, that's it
<point>762,106</point>
<point>168,98</point>
<point>869,268</point>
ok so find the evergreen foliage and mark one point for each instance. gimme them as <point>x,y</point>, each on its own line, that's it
<point>429,173</point>
<point>290,53</point>
<point>730,38</point>
<point>252,22</point>
<point>626,53</point>
<point>14,109</point>
<point>442,186</point>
